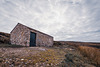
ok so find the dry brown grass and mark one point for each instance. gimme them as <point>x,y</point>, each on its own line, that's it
<point>92,53</point>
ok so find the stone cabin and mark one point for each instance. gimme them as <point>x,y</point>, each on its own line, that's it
<point>26,36</point>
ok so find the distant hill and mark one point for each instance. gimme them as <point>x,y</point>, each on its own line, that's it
<point>74,43</point>
<point>4,37</point>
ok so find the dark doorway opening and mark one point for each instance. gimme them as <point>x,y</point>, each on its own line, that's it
<point>32,39</point>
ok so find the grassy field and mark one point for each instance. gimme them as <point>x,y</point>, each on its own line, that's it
<point>56,56</point>
<point>30,56</point>
<point>92,53</point>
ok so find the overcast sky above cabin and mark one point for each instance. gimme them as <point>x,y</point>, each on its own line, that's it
<point>67,20</point>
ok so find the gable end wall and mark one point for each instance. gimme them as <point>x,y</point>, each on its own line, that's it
<point>20,36</point>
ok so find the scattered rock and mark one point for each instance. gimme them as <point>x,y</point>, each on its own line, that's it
<point>51,64</point>
<point>22,59</point>
<point>42,49</point>
<point>48,65</point>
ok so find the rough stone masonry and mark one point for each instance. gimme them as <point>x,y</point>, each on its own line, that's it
<point>21,35</point>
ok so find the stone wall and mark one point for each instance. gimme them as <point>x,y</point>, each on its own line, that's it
<point>42,39</point>
<point>20,35</point>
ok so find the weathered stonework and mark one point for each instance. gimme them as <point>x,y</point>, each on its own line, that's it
<point>20,35</point>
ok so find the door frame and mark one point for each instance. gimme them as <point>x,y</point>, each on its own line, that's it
<point>30,39</point>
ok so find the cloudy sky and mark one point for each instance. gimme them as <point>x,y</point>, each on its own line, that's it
<point>68,20</point>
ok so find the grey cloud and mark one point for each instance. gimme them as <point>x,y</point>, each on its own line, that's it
<point>76,20</point>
